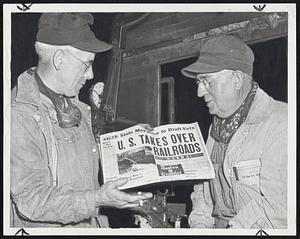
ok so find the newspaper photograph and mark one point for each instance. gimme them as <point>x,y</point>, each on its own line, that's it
<point>168,153</point>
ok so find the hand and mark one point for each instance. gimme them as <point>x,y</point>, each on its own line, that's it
<point>109,195</point>
<point>146,126</point>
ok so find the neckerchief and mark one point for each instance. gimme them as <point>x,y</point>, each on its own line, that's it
<point>223,129</point>
<point>68,114</point>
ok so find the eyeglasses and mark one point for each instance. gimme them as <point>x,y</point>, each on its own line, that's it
<point>87,64</point>
<point>202,81</point>
<point>209,80</point>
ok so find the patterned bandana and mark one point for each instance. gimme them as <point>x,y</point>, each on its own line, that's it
<point>223,129</point>
<point>68,114</point>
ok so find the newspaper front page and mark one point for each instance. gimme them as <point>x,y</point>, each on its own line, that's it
<point>168,153</point>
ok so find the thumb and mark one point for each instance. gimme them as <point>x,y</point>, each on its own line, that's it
<point>119,182</point>
<point>146,126</point>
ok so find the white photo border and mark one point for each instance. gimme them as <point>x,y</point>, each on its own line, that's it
<point>8,9</point>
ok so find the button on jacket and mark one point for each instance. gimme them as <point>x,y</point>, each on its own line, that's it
<point>260,191</point>
<point>53,170</point>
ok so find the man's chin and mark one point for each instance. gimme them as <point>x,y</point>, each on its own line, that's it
<point>72,94</point>
<point>212,111</point>
<point>221,116</point>
<point>216,113</point>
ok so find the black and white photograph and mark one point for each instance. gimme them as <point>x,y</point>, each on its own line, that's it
<point>136,159</point>
<point>167,170</point>
<point>73,72</point>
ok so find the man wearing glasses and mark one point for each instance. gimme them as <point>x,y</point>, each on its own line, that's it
<point>247,142</point>
<point>54,157</point>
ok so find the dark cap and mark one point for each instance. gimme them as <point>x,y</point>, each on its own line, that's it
<point>70,29</point>
<point>222,52</point>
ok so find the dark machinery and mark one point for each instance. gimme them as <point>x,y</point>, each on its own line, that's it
<point>158,213</point>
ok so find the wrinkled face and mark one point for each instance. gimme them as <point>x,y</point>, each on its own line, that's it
<point>219,92</point>
<point>76,69</point>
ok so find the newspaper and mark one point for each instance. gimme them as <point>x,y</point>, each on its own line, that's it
<point>168,153</point>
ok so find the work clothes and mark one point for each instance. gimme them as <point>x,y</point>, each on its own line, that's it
<point>254,168</point>
<point>53,170</point>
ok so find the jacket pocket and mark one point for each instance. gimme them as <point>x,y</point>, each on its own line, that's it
<point>248,172</point>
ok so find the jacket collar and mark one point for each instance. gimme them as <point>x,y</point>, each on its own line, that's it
<point>260,108</point>
<point>27,89</point>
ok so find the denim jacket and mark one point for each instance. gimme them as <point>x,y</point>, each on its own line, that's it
<point>53,171</point>
<point>258,152</point>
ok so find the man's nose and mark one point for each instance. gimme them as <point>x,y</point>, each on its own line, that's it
<point>202,90</point>
<point>89,74</point>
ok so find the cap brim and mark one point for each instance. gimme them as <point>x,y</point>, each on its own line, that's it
<point>200,68</point>
<point>93,45</point>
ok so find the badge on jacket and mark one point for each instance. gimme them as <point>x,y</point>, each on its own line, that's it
<point>247,172</point>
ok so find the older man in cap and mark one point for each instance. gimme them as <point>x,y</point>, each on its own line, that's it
<point>247,142</point>
<point>54,158</point>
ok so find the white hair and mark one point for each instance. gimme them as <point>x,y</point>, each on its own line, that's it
<point>46,51</point>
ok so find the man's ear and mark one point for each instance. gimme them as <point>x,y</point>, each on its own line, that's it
<point>57,59</point>
<point>238,79</point>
